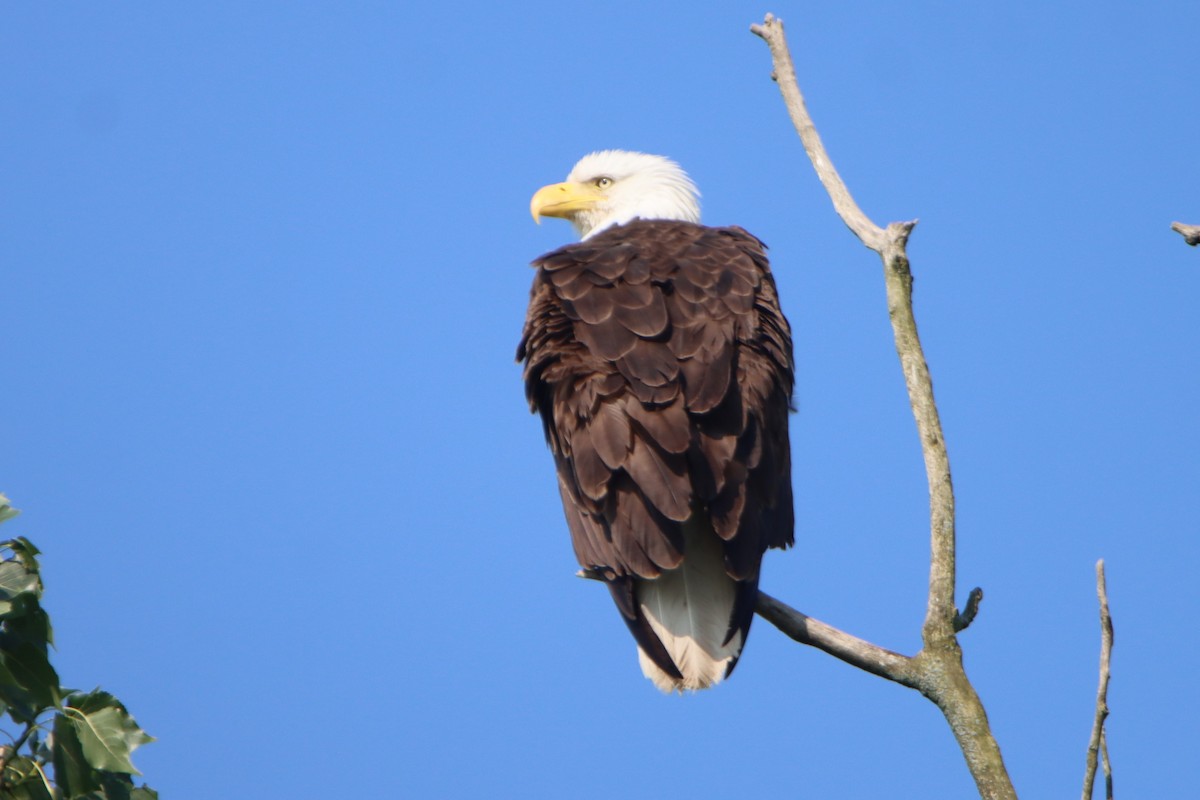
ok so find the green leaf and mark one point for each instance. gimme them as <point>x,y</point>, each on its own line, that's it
<point>30,667</point>
<point>107,732</point>
<point>22,778</point>
<point>32,787</point>
<point>7,512</point>
<point>113,786</point>
<point>19,703</point>
<point>72,772</point>
<point>26,552</point>
<point>15,579</point>
<point>24,638</point>
<point>29,622</point>
<point>25,781</point>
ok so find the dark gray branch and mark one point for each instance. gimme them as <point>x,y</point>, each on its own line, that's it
<point>963,620</point>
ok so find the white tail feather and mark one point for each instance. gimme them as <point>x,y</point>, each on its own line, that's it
<point>689,609</point>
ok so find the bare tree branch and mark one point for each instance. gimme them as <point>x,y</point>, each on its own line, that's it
<point>936,671</point>
<point>1190,233</point>
<point>771,32</point>
<point>1108,780</point>
<point>862,654</point>
<point>1098,743</point>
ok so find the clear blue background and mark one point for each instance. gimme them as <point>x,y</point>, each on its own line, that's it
<point>264,271</point>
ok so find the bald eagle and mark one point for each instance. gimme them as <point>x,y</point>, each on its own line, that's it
<point>660,362</point>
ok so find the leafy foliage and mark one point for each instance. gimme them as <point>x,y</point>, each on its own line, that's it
<point>70,744</point>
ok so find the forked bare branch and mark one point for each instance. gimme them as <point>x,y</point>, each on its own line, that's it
<point>936,671</point>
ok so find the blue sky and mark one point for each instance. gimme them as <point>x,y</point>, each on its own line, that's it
<point>264,274</point>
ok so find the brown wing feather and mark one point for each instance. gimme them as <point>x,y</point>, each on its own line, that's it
<point>660,362</point>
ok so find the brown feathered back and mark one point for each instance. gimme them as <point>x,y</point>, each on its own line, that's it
<point>661,364</point>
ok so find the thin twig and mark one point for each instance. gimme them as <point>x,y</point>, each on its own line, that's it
<point>1098,744</point>
<point>963,620</point>
<point>1108,780</point>
<point>771,32</point>
<point>1190,233</point>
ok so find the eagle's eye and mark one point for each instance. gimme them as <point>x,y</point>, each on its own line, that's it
<point>603,182</point>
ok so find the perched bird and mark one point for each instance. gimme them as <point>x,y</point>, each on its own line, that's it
<point>660,362</point>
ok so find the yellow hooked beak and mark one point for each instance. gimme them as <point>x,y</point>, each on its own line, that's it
<point>563,200</point>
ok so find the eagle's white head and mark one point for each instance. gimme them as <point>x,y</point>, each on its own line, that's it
<point>612,187</point>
